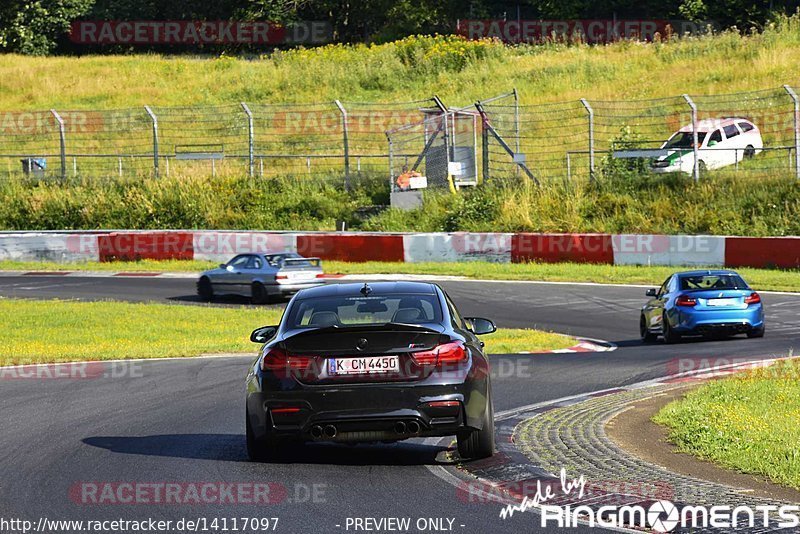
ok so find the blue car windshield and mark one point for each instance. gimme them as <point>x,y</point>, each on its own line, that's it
<point>364,311</point>
<point>712,281</point>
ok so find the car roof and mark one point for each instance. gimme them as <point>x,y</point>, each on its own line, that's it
<point>378,288</point>
<point>707,125</point>
<point>707,272</point>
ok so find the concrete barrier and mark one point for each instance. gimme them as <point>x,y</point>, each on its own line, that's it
<point>554,248</point>
<point>48,247</point>
<point>634,249</point>
<point>461,246</point>
<point>221,246</point>
<point>763,252</point>
<point>620,249</point>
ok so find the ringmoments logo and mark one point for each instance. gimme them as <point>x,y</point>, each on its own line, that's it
<point>659,516</point>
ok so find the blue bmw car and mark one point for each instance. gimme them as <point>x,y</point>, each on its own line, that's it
<point>717,302</point>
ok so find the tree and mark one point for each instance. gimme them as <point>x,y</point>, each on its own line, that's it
<point>32,27</point>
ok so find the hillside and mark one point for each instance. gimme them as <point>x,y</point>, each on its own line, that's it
<point>460,72</point>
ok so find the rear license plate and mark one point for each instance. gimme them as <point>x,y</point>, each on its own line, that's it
<point>363,366</point>
<point>723,302</point>
<point>302,275</point>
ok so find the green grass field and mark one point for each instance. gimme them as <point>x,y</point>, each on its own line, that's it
<point>760,279</point>
<point>65,331</point>
<point>460,74</point>
<point>747,423</point>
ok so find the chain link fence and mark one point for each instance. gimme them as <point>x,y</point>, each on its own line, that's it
<point>496,139</point>
<point>578,139</point>
<point>333,140</point>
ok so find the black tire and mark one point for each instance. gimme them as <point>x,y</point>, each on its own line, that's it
<point>205,290</point>
<point>702,168</point>
<point>759,332</point>
<point>258,293</point>
<point>670,335</point>
<point>477,444</point>
<point>259,450</point>
<point>749,151</point>
<point>647,335</point>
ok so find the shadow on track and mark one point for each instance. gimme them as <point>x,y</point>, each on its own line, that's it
<point>231,448</point>
<point>225,300</point>
<point>692,340</point>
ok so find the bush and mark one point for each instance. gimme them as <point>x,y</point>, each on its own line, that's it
<point>724,204</point>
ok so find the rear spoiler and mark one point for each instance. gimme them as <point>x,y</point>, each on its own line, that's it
<point>314,261</point>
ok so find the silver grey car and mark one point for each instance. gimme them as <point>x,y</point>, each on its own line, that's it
<point>262,277</point>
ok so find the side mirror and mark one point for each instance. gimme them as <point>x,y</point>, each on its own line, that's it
<point>263,334</point>
<point>481,326</point>
<point>223,266</point>
<point>651,292</point>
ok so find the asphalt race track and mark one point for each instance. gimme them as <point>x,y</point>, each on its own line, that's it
<point>182,420</point>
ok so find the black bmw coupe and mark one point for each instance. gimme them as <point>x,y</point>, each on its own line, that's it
<point>384,362</point>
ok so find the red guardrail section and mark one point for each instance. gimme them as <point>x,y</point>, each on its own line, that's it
<point>145,245</point>
<point>762,252</point>
<point>352,247</point>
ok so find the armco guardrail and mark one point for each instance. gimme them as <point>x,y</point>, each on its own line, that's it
<point>618,249</point>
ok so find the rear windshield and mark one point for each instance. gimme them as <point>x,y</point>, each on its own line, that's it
<point>685,140</point>
<point>712,281</point>
<point>364,311</point>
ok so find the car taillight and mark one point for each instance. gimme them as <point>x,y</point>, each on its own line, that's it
<point>281,277</point>
<point>275,359</point>
<point>447,353</point>
<point>320,275</point>
<point>285,410</point>
<point>685,300</point>
<point>754,298</point>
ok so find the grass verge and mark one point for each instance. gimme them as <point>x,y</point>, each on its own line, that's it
<point>747,422</point>
<point>760,279</point>
<point>63,331</point>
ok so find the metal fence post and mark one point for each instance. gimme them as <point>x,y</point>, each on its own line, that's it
<point>516,120</point>
<point>345,139</point>
<point>391,162</point>
<point>590,111</point>
<point>485,149</point>
<point>250,140</point>
<point>448,141</point>
<point>155,138</point>
<point>796,129</point>
<point>63,141</point>
<point>696,167</point>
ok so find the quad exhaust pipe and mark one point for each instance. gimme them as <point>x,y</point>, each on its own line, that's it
<point>401,428</point>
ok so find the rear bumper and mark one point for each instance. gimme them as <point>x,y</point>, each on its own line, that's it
<point>290,288</point>
<point>366,412</point>
<point>727,321</point>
